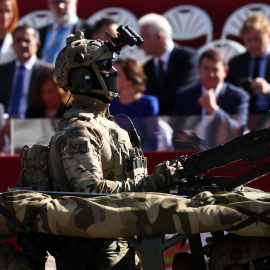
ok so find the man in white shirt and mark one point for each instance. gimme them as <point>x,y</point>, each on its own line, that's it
<point>171,67</point>
<point>17,77</point>
<point>65,22</point>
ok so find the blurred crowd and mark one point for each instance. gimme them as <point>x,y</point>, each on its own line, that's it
<point>178,98</point>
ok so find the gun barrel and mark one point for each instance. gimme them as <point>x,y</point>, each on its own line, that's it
<point>249,147</point>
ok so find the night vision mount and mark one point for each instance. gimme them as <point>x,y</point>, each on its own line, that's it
<point>125,36</point>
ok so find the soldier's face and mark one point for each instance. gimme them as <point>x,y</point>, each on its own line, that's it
<point>105,66</point>
<point>212,72</point>
<point>25,44</point>
<point>113,69</point>
<point>123,82</point>
<point>256,41</point>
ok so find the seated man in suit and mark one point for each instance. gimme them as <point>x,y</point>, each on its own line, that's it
<point>65,22</point>
<point>216,111</point>
<point>251,69</point>
<point>17,77</point>
<point>171,67</point>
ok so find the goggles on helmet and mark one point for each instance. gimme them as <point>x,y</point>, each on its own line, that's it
<point>105,64</point>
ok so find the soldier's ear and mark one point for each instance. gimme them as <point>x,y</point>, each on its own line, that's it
<point>81,78</point>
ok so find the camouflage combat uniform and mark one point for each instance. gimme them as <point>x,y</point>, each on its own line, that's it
<point>11,259</point>
<point>91,153</point>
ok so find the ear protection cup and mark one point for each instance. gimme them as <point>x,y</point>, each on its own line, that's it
<point>81,79</point>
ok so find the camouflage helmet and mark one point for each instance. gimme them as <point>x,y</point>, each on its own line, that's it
<point>80,53</point>
<point>238,252</point>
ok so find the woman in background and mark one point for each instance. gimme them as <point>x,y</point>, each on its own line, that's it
<point>131,84</point>
<point>8,22</point>
<point>49,99</point>
<point>141,108</point>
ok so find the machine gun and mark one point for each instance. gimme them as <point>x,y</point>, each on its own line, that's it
<point>250,148</point>
<point>196,175</point>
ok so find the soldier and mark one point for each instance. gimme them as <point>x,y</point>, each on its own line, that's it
<point>91,153</point>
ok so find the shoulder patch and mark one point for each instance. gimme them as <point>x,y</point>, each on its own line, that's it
<point>80,146</point>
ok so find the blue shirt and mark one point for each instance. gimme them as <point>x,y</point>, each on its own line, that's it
<point>143,113</point>
<point>147,105</point>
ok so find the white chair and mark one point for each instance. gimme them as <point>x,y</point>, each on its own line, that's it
<point>30,131</point>
<point>37,18</point>
<point>165,134</point>
<point>134,53</point>
<point>189,22</point>
<point>234,22</point>
<point>229,47</point>
<point>120,15</point>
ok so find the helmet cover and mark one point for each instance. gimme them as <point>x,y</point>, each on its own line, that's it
<point>80,52</point>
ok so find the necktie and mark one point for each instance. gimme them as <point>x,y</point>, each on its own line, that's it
<point>256,70</point>
<point>161,74</point>
<point>15,102</point>
<point>53,49</point>
<point>261,100</point>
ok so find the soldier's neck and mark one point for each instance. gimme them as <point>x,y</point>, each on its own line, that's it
<point>89,104</point>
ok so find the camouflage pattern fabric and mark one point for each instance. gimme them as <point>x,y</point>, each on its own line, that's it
<point>11,259</point>
<point>91,153</point>
<point>129,214</point>
<point>238,250</point>
<point>89,253</point>
<point>35,173</point>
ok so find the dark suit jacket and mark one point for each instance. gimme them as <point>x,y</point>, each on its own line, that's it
<point>6,77</point>
<point>232,100</point>
<point>239,68</point>
<point>229,121</point>
<point>80,25</point>
<point>182,70</point>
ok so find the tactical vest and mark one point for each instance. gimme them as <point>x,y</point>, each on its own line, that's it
<point>35,173</point>
<point>119,159</point>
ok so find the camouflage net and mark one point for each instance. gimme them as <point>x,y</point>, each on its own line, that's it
<point>130,214</point>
